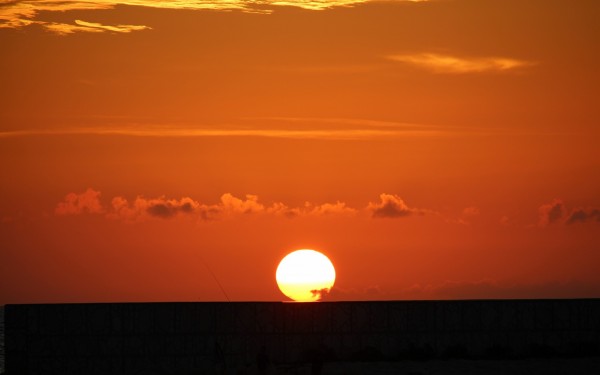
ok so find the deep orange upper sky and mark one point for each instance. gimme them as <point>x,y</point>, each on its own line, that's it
<point>432,149</point>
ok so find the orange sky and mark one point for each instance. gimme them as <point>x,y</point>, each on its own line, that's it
<point>432,149</point>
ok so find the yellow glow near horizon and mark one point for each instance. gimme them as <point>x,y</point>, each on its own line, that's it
<point>305,275</point>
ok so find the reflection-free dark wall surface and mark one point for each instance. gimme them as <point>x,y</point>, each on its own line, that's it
<point>126,338</point>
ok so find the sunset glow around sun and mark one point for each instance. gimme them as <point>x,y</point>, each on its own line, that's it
<point>305,275</point>
<point>434,150</point>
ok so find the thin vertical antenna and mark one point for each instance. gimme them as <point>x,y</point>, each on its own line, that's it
<point>217,280</point>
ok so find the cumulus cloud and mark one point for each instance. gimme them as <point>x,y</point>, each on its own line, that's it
<point>581,215</point>
<point>86,202</point>
<point>551,213</point>
<point>233,205</point>
<point>337,208</point>
<point>392,206</point>
<point>320,293</point>
<point>141,208</point>
<point>439,63</point>
<point>557,213</point>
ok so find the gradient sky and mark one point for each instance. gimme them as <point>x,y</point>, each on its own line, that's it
<point>432,149</point>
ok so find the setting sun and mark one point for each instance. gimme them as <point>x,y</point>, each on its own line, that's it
<point>305,275</point>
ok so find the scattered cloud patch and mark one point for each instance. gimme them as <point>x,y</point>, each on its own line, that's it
<point>141,208</point>
<point>168,208</point>
<point>557,213</point>
<point>392,206</point>
<point>467,216</point>
<point>75,204</point>
<point>471,211</point>
<point>369,293</point>
<point>320,293</point>
<point>551,213</point>
<point>337,208</point>
<point>581,215</point>
<point>439,63</point>
<point>233,205</point>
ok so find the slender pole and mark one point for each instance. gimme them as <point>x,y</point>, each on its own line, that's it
<point>217,280</point>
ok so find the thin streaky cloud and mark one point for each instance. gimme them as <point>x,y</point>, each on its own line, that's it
<point>355,122</point>
<point>397,126</point>
<point>333,134</point>
<point>90,27</point>
<point>439,63</point>
<point>17,14</point>
<point>117,28</point>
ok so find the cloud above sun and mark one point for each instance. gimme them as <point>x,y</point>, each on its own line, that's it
<point>392,206</point>
<point>556,213</point>
<point>389,206</point>
<point>141,208</point>
<point>17,14</point>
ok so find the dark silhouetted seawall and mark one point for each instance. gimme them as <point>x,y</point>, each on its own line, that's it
<point>180,338</point>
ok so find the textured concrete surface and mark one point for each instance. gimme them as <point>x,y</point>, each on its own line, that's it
<point>180,338</point>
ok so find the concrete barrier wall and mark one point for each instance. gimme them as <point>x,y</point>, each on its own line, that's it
<point>179,338</point>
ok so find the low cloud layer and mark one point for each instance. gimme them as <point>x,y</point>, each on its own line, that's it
<point>551,213</point>
<point>141,208</point>
<point>491,289</point>
<point>582,215</point>
<point>389,206</point>
<point>439,63</point>
<point>392,206</point>
<point>555,212</point>
<point>75,204</point>
<point>468,290</point>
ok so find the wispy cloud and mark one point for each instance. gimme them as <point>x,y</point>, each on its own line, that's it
<point>20,13</point>
<point>337,130</point>
<point>116,29</point>
<point>90,27</point>
<point>439,63</point>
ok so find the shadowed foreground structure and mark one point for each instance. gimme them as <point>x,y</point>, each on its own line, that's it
<point>182,338</point>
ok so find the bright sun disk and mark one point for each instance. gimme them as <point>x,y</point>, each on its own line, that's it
<point>305,275</point>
